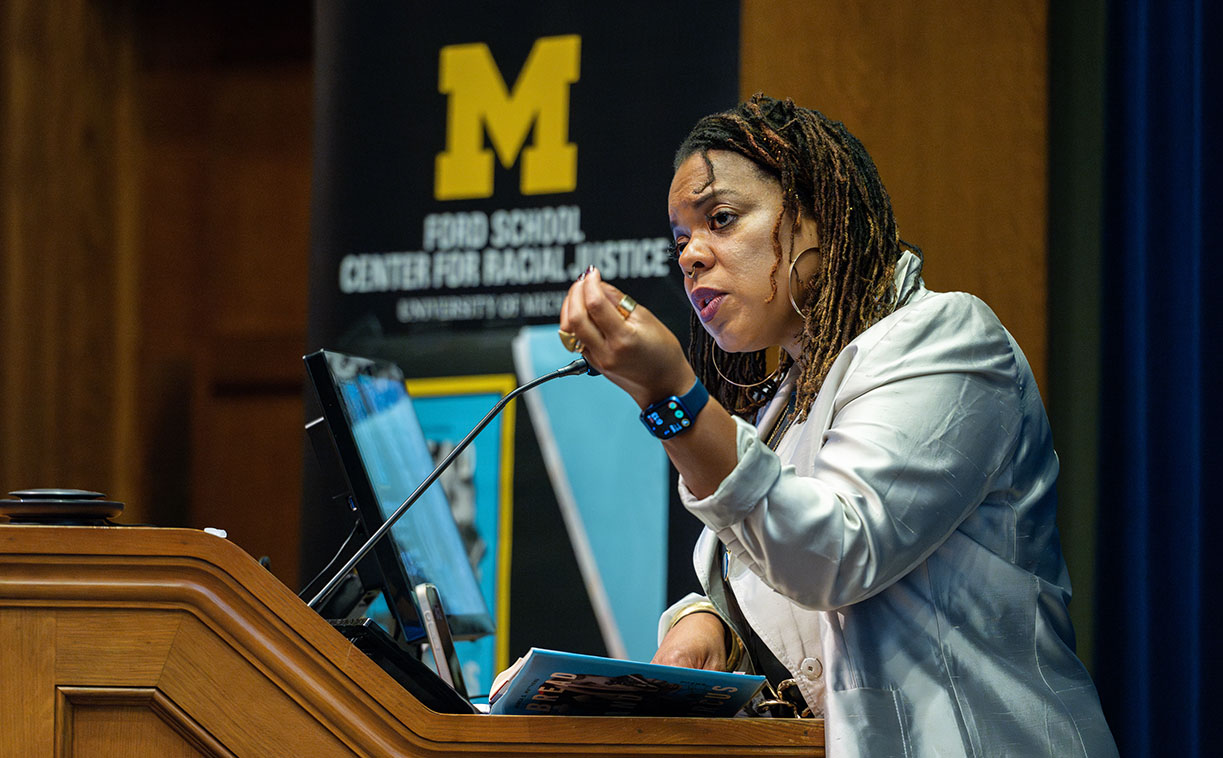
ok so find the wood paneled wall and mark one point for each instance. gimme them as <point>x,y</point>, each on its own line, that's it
<point>226,127</point>
<point>950,99</point>
<point>67,182</point>
<point>156,179</point>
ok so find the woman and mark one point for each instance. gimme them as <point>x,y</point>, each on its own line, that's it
<point>879,510</point>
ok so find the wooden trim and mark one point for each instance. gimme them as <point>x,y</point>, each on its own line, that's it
<point>69,698</point>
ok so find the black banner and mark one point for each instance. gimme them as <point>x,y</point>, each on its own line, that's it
<point>471,159</point>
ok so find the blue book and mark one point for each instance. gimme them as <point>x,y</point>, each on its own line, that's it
<point>551,683</point>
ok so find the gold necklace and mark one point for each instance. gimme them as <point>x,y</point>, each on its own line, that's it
<point>784,423</point>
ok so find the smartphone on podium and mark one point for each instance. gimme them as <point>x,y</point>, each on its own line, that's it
<point>433,616</point>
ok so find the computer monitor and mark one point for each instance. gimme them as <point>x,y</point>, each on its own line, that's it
<point>384,457</point>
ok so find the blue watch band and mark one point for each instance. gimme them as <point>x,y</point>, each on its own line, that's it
<point>676,414</point>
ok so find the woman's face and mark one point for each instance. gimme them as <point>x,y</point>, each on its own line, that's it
<point>723,233</point>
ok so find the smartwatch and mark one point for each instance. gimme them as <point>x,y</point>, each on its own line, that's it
<point>676,414</point>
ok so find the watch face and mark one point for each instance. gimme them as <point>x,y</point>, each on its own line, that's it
<point>667,419</point>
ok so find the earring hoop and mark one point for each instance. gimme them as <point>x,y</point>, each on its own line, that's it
<point>790,277</point>
<point>713,355</point>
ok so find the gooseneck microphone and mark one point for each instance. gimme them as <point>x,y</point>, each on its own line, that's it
<point>580,366</point>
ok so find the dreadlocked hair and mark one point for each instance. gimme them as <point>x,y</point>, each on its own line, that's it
<point>826,175</point>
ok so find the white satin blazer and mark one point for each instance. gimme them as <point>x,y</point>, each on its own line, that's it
<point>898,553</point>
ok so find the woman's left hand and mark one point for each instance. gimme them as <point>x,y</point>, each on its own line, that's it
<point>697,641</point>
<point>638,352</point>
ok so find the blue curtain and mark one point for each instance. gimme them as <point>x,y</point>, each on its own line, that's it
<point>1157,663</point>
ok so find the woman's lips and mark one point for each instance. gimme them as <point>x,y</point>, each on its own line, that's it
<point>707,303</point>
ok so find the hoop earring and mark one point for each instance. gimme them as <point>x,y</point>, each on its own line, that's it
<point>713,356</point>
<point>790,277</point>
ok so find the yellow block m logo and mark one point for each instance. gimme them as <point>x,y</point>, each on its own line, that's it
<point>478,99</point>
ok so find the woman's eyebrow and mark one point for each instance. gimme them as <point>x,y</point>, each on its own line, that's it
<point>707,195</point>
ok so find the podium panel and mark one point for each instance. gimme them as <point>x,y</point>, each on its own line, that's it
<point>170,642</point>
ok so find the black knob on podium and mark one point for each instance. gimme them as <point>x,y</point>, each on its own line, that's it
<point>59,506</point>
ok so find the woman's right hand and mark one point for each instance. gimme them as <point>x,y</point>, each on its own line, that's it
<point>641,356</point>
<point>697,641</point>
<point>638,353</point>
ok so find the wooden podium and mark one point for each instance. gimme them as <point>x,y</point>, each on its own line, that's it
<point>135,642</point>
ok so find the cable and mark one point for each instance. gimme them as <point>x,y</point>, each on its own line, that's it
<point>356,525</point>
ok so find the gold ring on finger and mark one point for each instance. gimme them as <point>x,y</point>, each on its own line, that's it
<point>569,340</point>
<point>626,306</point>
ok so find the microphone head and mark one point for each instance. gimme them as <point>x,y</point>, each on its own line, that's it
<point>579,366</point>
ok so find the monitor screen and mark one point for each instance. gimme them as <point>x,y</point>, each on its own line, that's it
<point>384,456</point>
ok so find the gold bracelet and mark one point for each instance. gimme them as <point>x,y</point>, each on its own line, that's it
<point>700,606</point>
<point>734,647</point>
